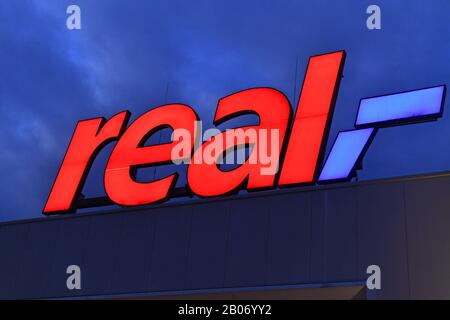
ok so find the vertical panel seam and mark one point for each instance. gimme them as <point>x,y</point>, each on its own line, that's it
<point>405,213</point>
<point>25,251</point>
<point>53,262</point>
<point>356,196</point>
<point>152,252</point>
<point>190,215</point>
<point>268,238</point>
<point>227,243</point>
<point>325,239</point>
<point>310,236</point>
<point>116,258</point>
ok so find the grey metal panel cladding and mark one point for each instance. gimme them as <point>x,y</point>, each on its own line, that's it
<point>208,245</point>
<point>382,238</point>
<point>428,225</point>
<point>340,235</point>
<point>12,254</point>
<point>69,247</point>
<point>40,246</point>
<point>133,253</point>
<point>169,256</point>
<point>289,243</point>
<point>246,262</point>
<point>301,236</point>
<point>318,237</point>
<point>100,256</point>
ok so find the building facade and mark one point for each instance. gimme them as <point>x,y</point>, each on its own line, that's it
<point>306,242</point>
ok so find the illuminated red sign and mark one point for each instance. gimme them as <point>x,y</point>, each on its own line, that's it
<point>296,142</point>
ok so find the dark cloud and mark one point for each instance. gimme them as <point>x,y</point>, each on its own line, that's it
<point>128,51</point>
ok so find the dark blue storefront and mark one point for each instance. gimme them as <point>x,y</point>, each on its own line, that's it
<point>243,246</point>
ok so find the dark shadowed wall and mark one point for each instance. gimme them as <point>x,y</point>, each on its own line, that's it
<point>302,236</point>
